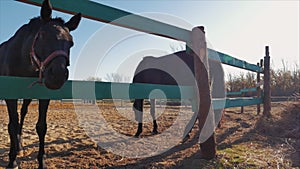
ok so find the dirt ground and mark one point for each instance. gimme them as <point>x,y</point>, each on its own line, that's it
<point>244,140</point>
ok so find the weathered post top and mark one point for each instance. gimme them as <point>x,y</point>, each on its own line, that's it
<point>267,51</point>
<point>198,44</point>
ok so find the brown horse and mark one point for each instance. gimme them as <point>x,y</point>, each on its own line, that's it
<point>40,49</point>
<point>175,69</point>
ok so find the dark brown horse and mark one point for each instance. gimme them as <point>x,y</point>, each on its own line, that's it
<point>40,49</point>
<point>174,69</point>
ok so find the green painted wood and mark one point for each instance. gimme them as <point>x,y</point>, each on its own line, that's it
<point>102,90</point>
<point>232,61</point>
<point>17,88</point>
<point>245,101</point>
<point>233,93</point>
<point>254,89</point>
<point>236,102</point>
<point>107,14</point>
<point>242,91</point>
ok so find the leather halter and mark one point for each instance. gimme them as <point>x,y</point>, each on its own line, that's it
<point>40,65</point>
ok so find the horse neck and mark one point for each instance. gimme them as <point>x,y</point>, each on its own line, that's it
<point>14,53</point>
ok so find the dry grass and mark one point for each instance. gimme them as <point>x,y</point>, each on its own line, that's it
<point>244,141</point>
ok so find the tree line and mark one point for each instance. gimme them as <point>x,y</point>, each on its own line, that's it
<point>284,82</point>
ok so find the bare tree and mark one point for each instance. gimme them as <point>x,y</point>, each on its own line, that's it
<point>175,47</point>
<point>284,82</point>
<point>116,77</point>
<point>91,78</point>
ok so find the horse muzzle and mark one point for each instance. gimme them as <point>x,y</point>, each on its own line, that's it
<point>55,76</point>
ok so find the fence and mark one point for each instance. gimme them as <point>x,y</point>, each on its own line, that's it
<point>90,10</point>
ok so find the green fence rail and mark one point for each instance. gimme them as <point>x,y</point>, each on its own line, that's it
<point>242,101</point>
<point>18,87</point>
<point>107,14</point>
<point>242,91</point>
<point>232,61</point>
<point>14,87</point>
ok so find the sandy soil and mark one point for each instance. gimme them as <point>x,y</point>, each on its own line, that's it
<point>244,141</point>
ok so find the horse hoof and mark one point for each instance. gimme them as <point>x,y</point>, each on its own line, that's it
<point>154,132</point>
<point>138,133</point>
<point>186,138</point>
<point>42,165</point>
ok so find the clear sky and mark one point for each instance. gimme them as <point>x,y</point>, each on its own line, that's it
<point>239,28</point>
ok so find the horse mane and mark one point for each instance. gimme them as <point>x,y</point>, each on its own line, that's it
<point>37,20</point>
<point>33,24</point>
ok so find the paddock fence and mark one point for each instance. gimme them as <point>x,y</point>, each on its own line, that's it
<point>17,87</point>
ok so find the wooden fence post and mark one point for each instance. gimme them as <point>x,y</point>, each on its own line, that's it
<point>258,90</point>
<point>201,74</point>
<point>242,107</point>
<point>203,98</point>
<point>267,83</point>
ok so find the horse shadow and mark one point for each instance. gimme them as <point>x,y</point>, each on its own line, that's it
<point>140,163</point>
<point>80,146</point>
<point>187,162</point>
<point>3,154</point>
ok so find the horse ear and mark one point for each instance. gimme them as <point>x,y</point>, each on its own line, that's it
<point>73,23</point>
<point>46,10</point>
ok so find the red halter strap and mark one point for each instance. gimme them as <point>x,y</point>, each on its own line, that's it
<point>40,65</point>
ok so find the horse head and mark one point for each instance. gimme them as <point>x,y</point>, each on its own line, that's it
<point>50,48</point>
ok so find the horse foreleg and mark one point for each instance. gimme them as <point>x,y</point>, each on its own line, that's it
<point>138,110</point>
<point>13,128</point>
<point>41,128</point>
<point>24,111</point>
<point>152,112</point>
